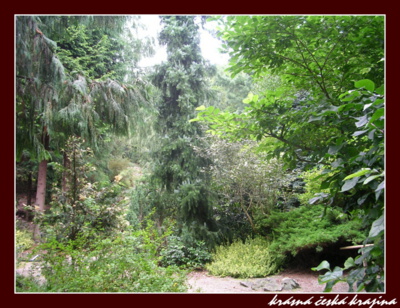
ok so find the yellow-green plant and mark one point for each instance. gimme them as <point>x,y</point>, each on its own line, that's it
<point>248,259</point>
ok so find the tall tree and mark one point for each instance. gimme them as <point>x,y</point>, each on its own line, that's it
<point>54,102</point>
<point>182,83</point>
<point>328,110</point>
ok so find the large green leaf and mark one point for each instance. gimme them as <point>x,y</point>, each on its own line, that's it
<point>349,263</point>
<point>333,149</point>
<point>380,186</point>
<point>380,90</point>
<point>377,114</point>
<point>377,226</point>
<point>366,84</point>
<point>359,133</point>
<point>362,121</point>
<point>370,178</point>
<point>336,274</point>
<point>349,184</point>
<point>323,265</point>
<point>358,173</point>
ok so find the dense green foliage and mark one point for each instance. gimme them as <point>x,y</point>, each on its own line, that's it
<point>184,166</point>
<point>55,102</point>
<point>89,52</point>
<point>243,178</point>
<point>229,92</point>
<point>252,258</point>
<point>193,254</point>
<point>313,179</point>
<point>308,227</point>
<point>177,171</point>
<point>366,271</point>
<point>322,54</point>
<point>327,111</point>
<point>124,263</point>
<point>83,206</point>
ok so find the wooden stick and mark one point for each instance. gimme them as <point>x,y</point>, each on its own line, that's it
<point>357,246</point>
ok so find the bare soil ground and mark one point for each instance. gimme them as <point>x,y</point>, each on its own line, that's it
<point>202,282</point>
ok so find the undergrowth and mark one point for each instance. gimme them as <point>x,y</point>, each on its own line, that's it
<point>122,264</point>
<point>249,259</point>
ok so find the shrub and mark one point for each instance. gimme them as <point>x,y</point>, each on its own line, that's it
<point>252,258</point>
<point>96,208</point>
<point>307,227</point>
<point>94,262</point>
<point>180,254</point>
<point>232,222</point>
<point>121,264</point>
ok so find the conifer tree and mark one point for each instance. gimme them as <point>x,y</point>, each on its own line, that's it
<point>182,83</point>
<point>53,102</point>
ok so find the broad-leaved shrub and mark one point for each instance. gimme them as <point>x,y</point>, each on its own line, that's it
<point>180,254</point>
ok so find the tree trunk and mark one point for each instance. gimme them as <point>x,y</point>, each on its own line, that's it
<point>29,200</point>
<point>66,177</point>
<point>41,185</point>
<point>41,181</point>
<point>41,191</point>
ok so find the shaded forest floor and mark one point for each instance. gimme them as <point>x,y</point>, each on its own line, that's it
<point>201,281</point>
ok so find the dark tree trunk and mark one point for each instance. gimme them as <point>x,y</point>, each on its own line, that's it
<point>29,197</point>
<point>66,180</point>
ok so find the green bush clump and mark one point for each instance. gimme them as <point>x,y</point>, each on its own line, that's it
<point>249,259</point>
<point>178,253</point>
<point>125,263</point>
<point>311,226</point>
<point>93,261</point>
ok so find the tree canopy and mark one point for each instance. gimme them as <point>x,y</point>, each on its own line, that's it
<point>327,112</point>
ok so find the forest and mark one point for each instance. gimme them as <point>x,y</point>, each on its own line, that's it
<point>129,177</point>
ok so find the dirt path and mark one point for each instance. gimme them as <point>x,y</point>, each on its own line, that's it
<point>202,282</point>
